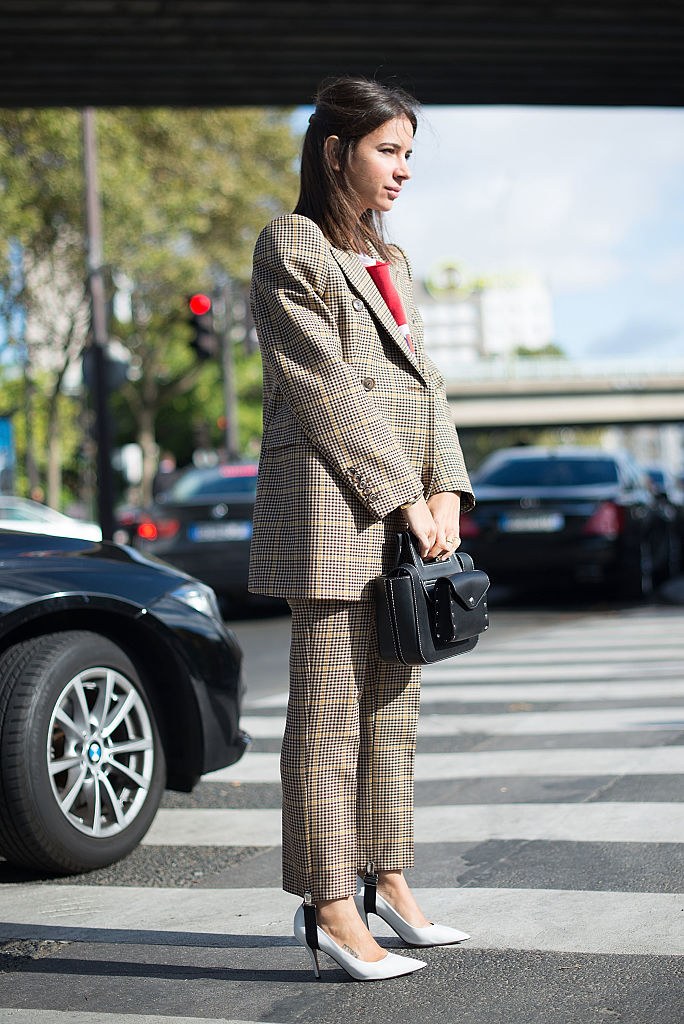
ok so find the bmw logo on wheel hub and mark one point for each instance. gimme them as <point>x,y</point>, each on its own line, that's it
<point>94,752</point>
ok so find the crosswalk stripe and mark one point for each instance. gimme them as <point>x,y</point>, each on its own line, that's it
<point>607,640</point>
<point>607,633</point>
<point>558,669</point>
<point>595,822</point>
<point>20,1016</point>
<point>518,723</point>
<point>466,671</point>
<point>497,918</point>
<point>522,691</point>
<point>577,656</point>
<point>489,763</point>
<point>646,623</point>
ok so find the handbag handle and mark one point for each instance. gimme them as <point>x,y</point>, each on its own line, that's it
<point>432,570</point>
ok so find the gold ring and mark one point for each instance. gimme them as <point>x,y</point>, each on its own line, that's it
<point>450,540</point>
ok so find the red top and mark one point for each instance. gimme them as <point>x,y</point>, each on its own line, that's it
<point>380,274</point>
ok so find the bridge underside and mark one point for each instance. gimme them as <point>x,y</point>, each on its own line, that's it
<point>227,52</point>
<point>567,410</point>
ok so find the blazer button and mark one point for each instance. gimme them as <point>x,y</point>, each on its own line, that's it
<point>357,304</point>
<point>368,383</point>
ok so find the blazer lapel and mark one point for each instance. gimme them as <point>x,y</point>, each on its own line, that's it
<point>362,283</point>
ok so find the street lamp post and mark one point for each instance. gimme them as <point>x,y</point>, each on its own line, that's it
<point>98,333</point>
<point>228,374</point>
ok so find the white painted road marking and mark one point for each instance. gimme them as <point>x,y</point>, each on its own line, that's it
<point>476,693</point>
<point>530,919</point>
<point>8,1016</point>
<point>462,823</point>
<point>494,763</point>
<point>514,723</point>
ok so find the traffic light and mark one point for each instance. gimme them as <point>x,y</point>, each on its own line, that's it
<point>204,340</point>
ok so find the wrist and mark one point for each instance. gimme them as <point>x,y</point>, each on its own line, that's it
<point>412,501</point>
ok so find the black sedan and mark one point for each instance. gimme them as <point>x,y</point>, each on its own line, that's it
<point>573,513</point>
<point>118,678</point>
<point>203,526</point>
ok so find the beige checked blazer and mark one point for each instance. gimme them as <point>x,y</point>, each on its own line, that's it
<point>354,423</point>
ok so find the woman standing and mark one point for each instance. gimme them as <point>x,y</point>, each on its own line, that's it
<point>358,444</point>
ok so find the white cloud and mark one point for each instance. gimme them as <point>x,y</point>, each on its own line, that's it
<point>556,190</point>
<point>667,267</point>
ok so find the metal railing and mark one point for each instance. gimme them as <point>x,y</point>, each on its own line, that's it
<point>561,369</point>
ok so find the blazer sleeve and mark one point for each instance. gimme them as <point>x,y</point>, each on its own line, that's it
<point>300,342</point>
<point>449,471</point>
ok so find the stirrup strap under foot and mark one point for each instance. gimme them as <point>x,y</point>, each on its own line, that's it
<point>310,923</point>
<point>370,888</point>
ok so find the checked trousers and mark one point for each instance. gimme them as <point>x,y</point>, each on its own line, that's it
<point>348,754</point>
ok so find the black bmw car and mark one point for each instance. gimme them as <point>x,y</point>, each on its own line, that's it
<point>203,526</point>
<point>118,678</point>
<point>566,513</point>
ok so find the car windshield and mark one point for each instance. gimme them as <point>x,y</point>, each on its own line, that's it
<point>27,512</point>
<point>551,472</point>
<point>222,482</point>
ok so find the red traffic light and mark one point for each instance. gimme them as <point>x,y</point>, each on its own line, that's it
<point>199,304</point>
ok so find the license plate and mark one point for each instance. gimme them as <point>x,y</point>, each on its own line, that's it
<point>540,522</point>
<point>234,529</point>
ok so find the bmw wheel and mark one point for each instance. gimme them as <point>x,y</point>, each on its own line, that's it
<point>82,768</point>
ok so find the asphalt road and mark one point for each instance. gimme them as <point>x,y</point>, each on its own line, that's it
<point>549,825</point>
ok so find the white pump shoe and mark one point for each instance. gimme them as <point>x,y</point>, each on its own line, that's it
<point>430,935</point>
<point>391,966</point>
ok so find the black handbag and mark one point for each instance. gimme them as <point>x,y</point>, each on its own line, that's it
<point>428,611</point>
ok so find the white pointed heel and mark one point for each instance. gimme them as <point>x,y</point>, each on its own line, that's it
<point>391,966</point>
<point>313,953</point>
<point>430,935</point>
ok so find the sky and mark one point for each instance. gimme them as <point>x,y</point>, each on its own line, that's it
<point>592,199</point>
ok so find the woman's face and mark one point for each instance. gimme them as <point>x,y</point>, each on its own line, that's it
<point>378,165</point>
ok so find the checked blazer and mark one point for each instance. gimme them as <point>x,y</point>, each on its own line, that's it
<point>355,424</point>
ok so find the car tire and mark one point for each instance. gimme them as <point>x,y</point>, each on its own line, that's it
<point>636,578</point>
<point>82,766</point>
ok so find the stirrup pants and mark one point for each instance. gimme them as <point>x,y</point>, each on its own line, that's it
<point>348,754</point>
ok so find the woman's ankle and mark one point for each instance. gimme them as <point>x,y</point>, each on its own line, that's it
<point>392,881</point>
<point>337,909</point>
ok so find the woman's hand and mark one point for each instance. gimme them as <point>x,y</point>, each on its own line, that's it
<point>445,509</point>
<point>420,522</point>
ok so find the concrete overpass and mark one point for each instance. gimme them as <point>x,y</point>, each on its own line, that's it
<point>559,392</point>
<point>251,52</point>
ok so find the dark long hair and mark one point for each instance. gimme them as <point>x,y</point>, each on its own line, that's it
<point>349,107</point>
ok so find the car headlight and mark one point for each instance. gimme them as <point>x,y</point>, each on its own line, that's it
<point>200,597</point>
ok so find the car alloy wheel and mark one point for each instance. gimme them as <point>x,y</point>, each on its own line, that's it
<point>100,752</point>
<point>82,766</point>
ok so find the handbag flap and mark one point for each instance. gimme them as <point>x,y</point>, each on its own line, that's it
<point>467,588</point>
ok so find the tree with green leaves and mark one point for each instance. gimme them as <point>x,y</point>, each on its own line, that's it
<point>184,195</point>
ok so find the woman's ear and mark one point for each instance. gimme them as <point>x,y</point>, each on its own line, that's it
<point>332,151</point>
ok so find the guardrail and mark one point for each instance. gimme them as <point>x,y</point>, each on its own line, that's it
<point>567,369</point>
